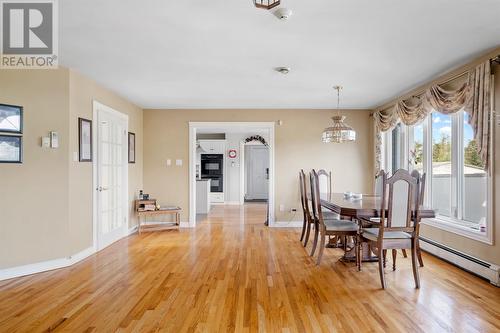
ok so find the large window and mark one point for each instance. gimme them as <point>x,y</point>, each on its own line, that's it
<point>458,188</point>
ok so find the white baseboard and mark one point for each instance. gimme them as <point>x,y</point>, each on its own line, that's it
<point>44,266</point>
<point>132,230</point>
<point>232,203</point>
<point>185,225</point>
<point>469,263</point>
<point>289,224</point>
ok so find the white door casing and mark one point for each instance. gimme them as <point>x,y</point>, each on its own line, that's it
<point>110,176</point>
<point>249,126</point>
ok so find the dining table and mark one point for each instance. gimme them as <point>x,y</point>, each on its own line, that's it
<point>357,210</point>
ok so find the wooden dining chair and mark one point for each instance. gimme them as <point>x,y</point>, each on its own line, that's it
<point>325,182</point>
<point>326,187</point>
<point>420,191</point>
<point>378,188</point>
<point>306,227</point>
<point>395,230</point>
<point>327,227</point>
<point>306,208</point>
<point>421,179</point>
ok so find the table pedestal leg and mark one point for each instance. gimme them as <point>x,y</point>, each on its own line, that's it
<point>366,254</point>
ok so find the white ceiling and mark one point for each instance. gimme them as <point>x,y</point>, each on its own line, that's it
<point>221,53</point>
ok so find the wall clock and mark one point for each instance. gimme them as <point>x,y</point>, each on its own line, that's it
<point>232,153</point>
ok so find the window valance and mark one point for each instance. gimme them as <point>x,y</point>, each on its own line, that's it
<point>473,96</point>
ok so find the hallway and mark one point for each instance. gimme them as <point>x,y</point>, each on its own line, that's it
<point>253,213</point>
<point>232,273</point>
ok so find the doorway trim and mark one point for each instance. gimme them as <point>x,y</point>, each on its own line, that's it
<point>193,128</point>
<point>243,178</point>
<point>95,106</point>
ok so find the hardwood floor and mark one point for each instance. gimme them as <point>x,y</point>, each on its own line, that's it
<point>232,273</point>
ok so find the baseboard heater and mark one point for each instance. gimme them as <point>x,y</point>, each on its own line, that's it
<point>490,272</point>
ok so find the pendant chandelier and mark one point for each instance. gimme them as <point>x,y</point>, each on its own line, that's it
<point>340,132</point>
<point>266,4</point>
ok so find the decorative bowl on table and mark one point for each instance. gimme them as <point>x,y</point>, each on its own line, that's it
<point>357,196</point>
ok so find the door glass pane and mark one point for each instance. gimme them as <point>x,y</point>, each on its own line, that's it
<point>441,164</point>
<point>475,181</point>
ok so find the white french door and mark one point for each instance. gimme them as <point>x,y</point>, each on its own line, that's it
<point>111,176</point>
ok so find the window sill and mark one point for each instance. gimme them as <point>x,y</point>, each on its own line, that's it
<point>450,226</point>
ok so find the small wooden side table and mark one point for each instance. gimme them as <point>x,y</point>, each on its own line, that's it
<point>142,213</point>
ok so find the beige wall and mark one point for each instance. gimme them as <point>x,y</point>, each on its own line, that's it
<point>490,253</point>
<point>46,202</point>
<point>83,92</point>
<point>298,145</point>
<point>34,205</point>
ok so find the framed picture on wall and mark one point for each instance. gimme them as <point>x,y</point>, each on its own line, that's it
<point>131,147</point>
<point>85,140</point>
<point>11,149</point>
<point>11,118</point>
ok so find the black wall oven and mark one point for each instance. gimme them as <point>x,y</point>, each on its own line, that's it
<point>216,183</point>
<point>212,167</point>
<point>212,164</point>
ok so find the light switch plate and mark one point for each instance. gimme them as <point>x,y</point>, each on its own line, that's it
<point>178,162</point>
<point>282,208</point>
<point>54,140</point>
<point>169,162</point>
<point>75,156</point>
<point>46,142</point>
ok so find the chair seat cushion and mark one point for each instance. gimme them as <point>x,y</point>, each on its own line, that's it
<point>372,234</point>
<point>329,215</point>
<point>340,225</point>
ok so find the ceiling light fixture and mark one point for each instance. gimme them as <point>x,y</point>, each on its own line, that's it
<point>283,13</point>
<point>282,70</point>
<point>340,132</point>
<point>266,4</point>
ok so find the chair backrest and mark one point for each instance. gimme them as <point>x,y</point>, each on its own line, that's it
<point>400,202</point>
<point>420,185</point>
<point>419,192</point>
<point>379,183</point>
<point>303,194</point>
<point>325,181</point>
<point>315,197</point>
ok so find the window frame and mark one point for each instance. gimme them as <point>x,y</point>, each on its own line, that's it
<point>449,224</point>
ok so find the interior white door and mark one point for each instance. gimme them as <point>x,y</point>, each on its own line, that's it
<point>257,158</point>
<point>112,173</point>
